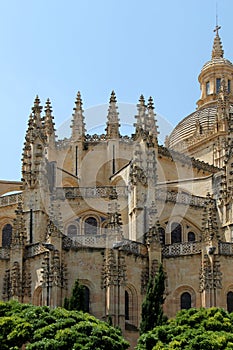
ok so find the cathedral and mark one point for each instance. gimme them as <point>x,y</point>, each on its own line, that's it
<point>108,209</point>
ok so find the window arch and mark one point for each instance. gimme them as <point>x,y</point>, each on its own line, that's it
<point>90,226</point>
<point>230,301</point>
<point>162,235</point>
<point>131,303</point>
<point>175,232</point>
<point>191,236</point>
<point>72,231</point>
<point>6,236</point>
<point>185,300</point>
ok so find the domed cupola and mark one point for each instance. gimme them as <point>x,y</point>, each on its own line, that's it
<point>211,74</point>
<point>204,133</point>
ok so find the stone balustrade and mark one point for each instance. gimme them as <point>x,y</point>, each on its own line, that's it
<point>89,192</point>
<point>226,248</point>
<point>180,197</point>
<point>11,199</point>
<point>35,249</point>
<point>123,191</point>
<point>97,241</point>
<point>178,249</point>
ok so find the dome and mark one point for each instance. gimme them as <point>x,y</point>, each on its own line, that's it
<point>216,84</point>
<point>217,61</point>
<point>188,126</point>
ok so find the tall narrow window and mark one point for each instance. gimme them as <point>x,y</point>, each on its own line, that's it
<point>6,236</point>
<point>113,160</point>
<point>191,237</point>
<point>230,301</point>
<point>76,160</point>
<point>229,86</point>
<point>126,305</point>
<point>218,85</point>
<point>90,226</point>
<point>207,88</point>
<point>175,232</point>
<point>185,301</point>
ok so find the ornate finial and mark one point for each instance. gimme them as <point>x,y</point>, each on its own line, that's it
<point>150,103</point>
<point>48,107</point>
<point>36,107</point>
<point>113,97</point>
<point>37,101</point>
<point>217,51</point>
<point>142,100</point>
<point>78,102</point>
<point>113,125</point>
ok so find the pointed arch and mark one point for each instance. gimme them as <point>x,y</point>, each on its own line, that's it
<point>37,296</point>
<point>131,306</point>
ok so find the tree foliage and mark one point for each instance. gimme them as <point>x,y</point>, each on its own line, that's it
<point>77,299</point>
<point>193,329</point>
<point>152,306</point>
<point>41,328</point>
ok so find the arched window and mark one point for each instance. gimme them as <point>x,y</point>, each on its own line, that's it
<point>72,231</point>
<point>86,301</point>
<point>175,232</point>
<point>126,305</point>
<point>185,300</point>
<point>230,301</point>
<point>162,235</point>
<point>6,236</point>
<point>90,226</point>
<point>191,237</point>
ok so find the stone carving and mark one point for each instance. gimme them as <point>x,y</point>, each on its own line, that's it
<point>210,274</point>
<point>144,279</point>
<point>210,229</point>
<point>16,286</point>
<point>6,295</point>
<point>109,272</point>
<point>137,175</point>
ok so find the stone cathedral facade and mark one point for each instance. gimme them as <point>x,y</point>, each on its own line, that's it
<point>107,209</point>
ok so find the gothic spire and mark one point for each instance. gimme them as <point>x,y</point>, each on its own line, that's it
<point>217,51</point>
<point>78,124</point>
<point>113,126</point>
<point>141,115</point>
<point>152,127</point>
<point>49,119</point>
<point>36,111</point>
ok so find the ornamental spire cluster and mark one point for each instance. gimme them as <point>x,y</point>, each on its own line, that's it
<point>145,118</point>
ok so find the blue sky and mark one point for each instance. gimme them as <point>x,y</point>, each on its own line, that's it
<point>55,48</point>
